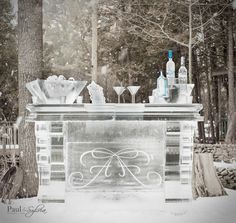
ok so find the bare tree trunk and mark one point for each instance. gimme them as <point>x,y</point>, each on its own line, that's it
<point>217,109</point>
<point>30,53</point>
<point>231,131</point>
<point>230,136</point>
<point>219,80</point>
<point>198,97</point>
<point>209,93</point>
<point>190,42</point>
<point>94,41</point>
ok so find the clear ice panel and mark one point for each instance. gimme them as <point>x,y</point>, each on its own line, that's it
<point>115,155</point>
<point>178,170</point>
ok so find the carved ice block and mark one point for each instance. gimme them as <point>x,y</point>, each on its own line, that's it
<point>96,93</point>
<point>55,90</point>
<point>115,155</point>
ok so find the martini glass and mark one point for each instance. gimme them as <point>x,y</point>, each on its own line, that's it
<point>119,91</point>
<point>133,90</point>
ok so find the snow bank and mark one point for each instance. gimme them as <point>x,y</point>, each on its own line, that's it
<point>126,207</point>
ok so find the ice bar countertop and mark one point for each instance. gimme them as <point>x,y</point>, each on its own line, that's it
<point>110,111</point>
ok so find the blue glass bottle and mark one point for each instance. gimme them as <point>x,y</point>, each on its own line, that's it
<point>162,85</point>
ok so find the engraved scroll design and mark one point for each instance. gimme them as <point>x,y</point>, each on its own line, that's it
<point>76,178</point>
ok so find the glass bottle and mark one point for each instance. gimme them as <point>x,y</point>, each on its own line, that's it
<point>162,85</point>
<point>170,68</point>
<point>182,74</point>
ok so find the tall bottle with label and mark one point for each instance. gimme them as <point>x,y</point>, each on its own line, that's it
<point>170,68</point>
<point>162,85</point>
<point>182,74</point>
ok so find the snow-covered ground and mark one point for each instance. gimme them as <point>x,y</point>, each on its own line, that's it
<point>147,207</point>
<point>225,165</point>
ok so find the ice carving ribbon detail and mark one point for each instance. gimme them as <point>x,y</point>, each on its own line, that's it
<point>76,178</point>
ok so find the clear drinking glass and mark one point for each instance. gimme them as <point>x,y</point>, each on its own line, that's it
<point>119,91</point>
<point>133,90</point>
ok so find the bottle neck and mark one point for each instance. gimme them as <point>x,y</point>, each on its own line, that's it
<point>182,61</point>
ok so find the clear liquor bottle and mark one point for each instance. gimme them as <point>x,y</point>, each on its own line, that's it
<point>170,68</point>
<point>182,73</point>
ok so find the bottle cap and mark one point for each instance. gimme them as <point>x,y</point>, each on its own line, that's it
<point>170,53</point>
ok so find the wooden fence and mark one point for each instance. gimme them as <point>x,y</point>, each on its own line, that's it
<point>9,150</point>
<point>8,136</point>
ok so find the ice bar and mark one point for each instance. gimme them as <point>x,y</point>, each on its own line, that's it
<point>114,147</point>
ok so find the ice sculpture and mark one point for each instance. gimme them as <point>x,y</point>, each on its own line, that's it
<point>35,88</point>
<point>157,99</point>
<point>185,91</point>
<point>125,147</point>
<point>55,90</point>
<point>100,159</point>
<point>96,93</point>
<point>177,93</point>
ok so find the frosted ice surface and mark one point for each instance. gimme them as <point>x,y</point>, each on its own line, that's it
<point>115,155</point>
<point>55,90</point>
<point>96,93</point>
